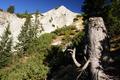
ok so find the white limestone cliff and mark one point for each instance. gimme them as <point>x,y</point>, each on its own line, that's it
<point>48,21</point>
<point>57,18</point>
<point>14,22</point>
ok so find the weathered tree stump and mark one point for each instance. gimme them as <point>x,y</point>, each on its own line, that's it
<point>97,35</point>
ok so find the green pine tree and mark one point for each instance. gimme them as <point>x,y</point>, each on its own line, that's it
<point>114,18</point>
<point>11,9</point>
<point>1,9</point>
<point>95,8</point>
<point>27,37</point>
<point>5,48</point>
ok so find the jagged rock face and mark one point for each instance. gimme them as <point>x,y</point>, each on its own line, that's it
<point>78,22</point>
<point>57,18</point>
<point>48,22</point>
<point>14,22</point>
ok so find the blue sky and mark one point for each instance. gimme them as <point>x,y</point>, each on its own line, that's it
<point>42,5</point>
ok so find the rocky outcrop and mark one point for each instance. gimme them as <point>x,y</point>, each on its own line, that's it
<point>48,22</point>
<point>14,22</point>
<point>58,18</point>
<point>78,22</point>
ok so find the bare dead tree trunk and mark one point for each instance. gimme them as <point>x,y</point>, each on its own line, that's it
<point>97,35</point>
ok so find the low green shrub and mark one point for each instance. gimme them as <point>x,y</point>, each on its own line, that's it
<point>24,15</point>
<point>30,67</point>
<point>66,30</point>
